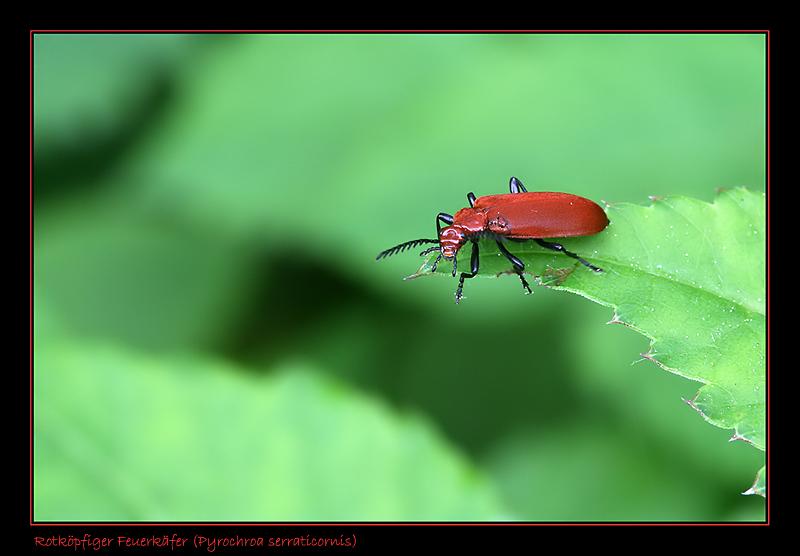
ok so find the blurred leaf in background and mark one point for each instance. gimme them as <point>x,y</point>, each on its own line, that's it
<point>207,211</point>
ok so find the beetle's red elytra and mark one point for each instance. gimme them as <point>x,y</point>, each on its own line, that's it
<point>515,216</point>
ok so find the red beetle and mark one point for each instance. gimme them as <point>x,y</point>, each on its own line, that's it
<point>515,216</point>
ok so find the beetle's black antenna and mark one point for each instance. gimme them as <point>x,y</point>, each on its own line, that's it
<point>407,245</point>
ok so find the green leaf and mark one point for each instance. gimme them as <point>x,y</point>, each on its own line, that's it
<point>121,436</point>
<point>760,485</point>
<point>688,274</point>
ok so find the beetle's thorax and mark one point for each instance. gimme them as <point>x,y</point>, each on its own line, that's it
<point>470,220</point>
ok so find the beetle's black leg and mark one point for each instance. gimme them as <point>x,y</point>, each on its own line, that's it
<point>439,258</point>
<point>471,199</point>
<point>474,264</point>
<point>516,186</point>
<point>516,263</point>
<point>446,218</point>
<point>559,247</point>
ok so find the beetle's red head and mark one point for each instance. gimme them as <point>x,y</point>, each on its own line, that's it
<point>450,241</point>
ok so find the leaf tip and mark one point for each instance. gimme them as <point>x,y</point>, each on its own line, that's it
<point>691,404</point>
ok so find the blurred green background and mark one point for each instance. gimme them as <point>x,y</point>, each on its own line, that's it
<point>213,338</point>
